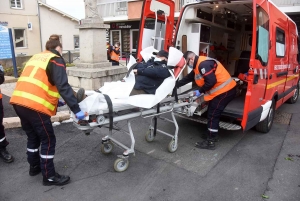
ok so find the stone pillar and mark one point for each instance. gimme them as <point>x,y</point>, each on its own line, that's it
<point>93,69</point>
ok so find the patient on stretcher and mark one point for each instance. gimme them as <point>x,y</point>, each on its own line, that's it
<point>132,90</point>
<point>151,74</point>
<point>148,75</point>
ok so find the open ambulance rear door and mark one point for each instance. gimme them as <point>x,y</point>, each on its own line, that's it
<point>157,25</point>
<point>256,106</point>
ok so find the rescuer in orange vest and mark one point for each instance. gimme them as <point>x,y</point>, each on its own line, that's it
<point>115,54</point>
<point>35,100</point>
<point>217,87</point>
<point>8,158</point>
<point>108,49</point>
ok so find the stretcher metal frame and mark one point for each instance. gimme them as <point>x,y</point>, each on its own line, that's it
<point>167,105</point>
<point>185,106</point>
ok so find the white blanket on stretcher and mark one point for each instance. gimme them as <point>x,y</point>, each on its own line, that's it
<point>119,91</point>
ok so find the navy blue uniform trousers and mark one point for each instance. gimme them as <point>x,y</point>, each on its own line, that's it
<point>215,109</point>
<point>39,131</point>
<point>3,141</point>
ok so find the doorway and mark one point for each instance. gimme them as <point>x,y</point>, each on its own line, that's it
<point>134,37</point>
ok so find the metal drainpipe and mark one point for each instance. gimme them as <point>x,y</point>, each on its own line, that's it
<point>40,24</point>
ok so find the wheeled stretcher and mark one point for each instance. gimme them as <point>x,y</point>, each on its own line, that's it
<point>112,103</point>
<point>119,112</point>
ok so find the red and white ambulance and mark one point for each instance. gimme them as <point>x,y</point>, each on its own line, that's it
<point>252,38</point>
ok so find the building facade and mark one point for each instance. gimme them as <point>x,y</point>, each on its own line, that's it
<point>23,18</point>
<point>291,8</point>
<point>123,16</point>
<point>54,21</point>
<point>32,22</point>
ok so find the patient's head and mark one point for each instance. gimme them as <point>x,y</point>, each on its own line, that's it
<point>162,55</point>
<point>189,57</point>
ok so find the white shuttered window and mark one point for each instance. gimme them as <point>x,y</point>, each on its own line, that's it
<point>17,4</point>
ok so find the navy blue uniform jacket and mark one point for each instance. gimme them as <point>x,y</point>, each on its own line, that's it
<point>150,75</point>
<point>206,69</point>
<point>57,75</point>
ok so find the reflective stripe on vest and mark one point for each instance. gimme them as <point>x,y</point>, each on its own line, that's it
<point>224,80</point>
<point>219,87</point>
<point>35,98</point>
<point>33,89</point>
<point>39,83</point>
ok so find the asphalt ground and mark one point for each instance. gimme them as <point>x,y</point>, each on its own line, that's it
<point>244,167</point>
<point>8,109</point>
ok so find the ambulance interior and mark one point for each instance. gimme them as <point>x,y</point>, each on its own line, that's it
<point>222,31</point>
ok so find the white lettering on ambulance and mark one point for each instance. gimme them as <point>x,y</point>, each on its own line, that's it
<point>281,67</point>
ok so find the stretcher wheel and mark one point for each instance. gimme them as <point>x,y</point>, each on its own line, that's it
<point>149,135</point>
<point>172,147</point>
<point>107,147</point>
<point>121,164</point>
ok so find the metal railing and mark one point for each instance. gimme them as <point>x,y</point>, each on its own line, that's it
<point>70,55</point>
<point>127,56</point>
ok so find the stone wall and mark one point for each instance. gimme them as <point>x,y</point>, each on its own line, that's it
<point>7,63</point>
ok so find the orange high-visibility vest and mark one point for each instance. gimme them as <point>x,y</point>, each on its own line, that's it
<point>114,56</point>
<point>224,80</point>
<point>33,90</point>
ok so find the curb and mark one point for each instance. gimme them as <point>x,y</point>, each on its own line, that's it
<point>10,79</point>
<point>14,122</point>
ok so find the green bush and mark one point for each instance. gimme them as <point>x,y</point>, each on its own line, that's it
<point>10,71</point>
<point>70,64</point>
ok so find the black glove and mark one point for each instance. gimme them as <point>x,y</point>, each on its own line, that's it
<point>131,68</point>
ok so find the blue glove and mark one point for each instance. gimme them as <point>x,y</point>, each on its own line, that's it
<point>197,93</point>
<point>60,103</point>
<point>80,115</point>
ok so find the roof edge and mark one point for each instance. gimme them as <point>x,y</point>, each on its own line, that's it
<point>40,3</point>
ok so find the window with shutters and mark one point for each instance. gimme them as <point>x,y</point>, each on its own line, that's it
<point>122,6</point>
<point>76,42</point>
<point>20,38</point>
<point>16,4</point>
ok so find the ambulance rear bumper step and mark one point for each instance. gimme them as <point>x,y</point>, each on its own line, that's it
<point>222,124</point>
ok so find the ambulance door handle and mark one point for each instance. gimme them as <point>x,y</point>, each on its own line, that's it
<point>284,73</point>
<point>255,80</point>
<point>270,77</point>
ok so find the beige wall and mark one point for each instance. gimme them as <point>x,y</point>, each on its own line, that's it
<point>135,9</point>
<point>18,18</point>
<point>54,23</point>
<point>29,8</point>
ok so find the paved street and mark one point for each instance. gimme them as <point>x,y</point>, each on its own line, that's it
<point>244,166</point>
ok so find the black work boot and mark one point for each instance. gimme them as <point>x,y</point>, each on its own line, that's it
<point>80,95</point>
<point>206,144</point>
<point>6,156</point>
<point>34,170</point>
<point>57,180</point>
<point>204,136</point>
